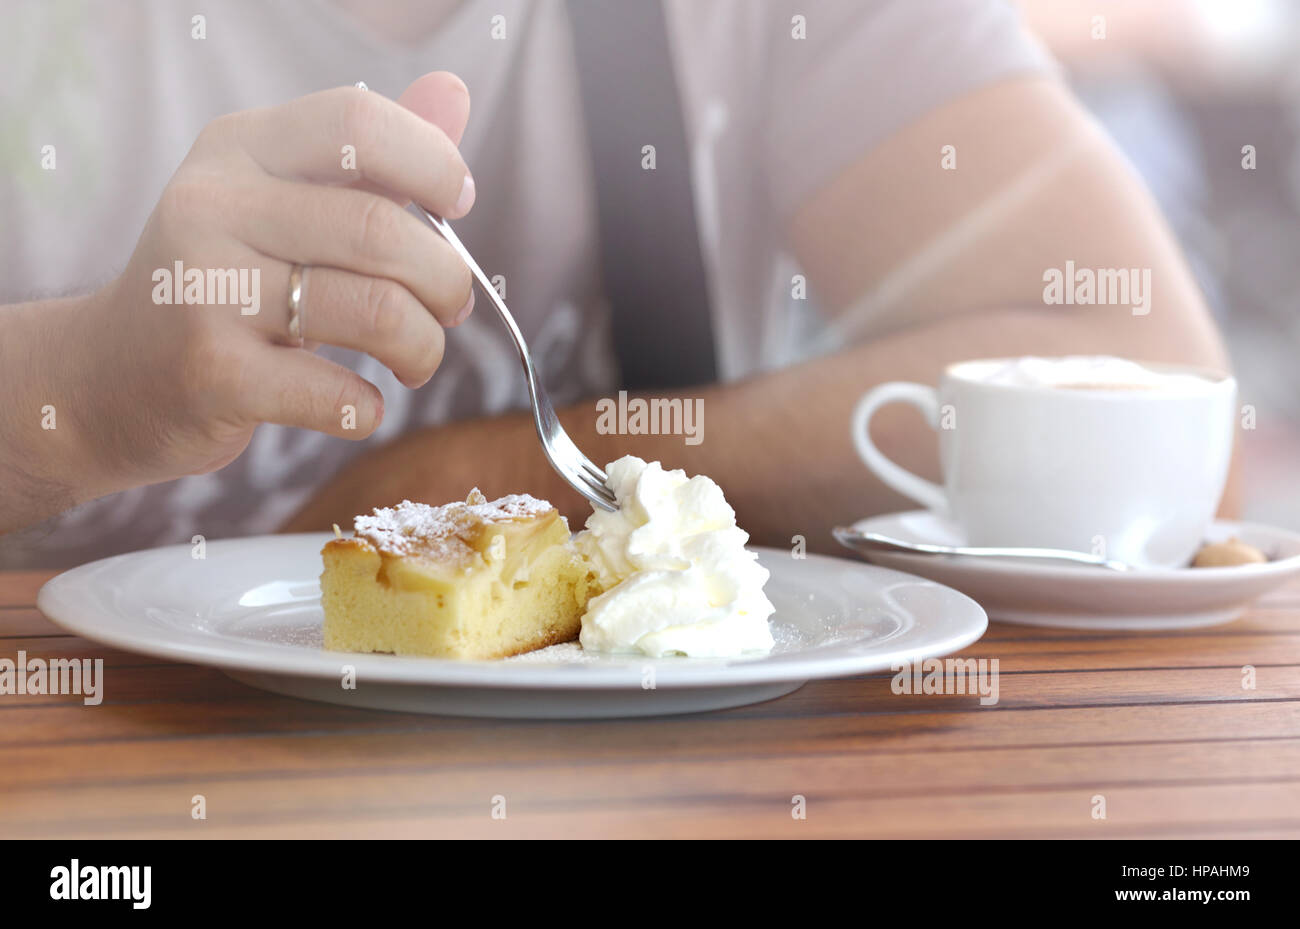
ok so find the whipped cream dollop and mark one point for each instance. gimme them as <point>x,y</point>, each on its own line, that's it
<point>676,576</point>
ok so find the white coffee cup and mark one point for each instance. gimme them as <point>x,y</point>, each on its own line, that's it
<point>1091,454</point>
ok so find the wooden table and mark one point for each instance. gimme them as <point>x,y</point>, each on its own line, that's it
<point>1157,724</point>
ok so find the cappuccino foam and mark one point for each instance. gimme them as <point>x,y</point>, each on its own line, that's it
<point>1080,372</point>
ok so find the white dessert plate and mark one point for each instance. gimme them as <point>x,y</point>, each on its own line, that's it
<point>251,607</point>
<point>1083,597</point>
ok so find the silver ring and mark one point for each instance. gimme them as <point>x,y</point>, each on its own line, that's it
<point>297,289</point>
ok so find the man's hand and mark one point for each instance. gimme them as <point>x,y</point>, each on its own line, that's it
<point>155,377</point>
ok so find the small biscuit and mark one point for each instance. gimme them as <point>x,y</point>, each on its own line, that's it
<point>1226,554</point>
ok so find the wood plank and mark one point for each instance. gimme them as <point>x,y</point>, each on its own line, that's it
<point>526,746</point>
<point>1265,620</point>
<point>127,685</point>
<point>150,682</point>
<point>24,621</point>
<point>51,648</point>
<point>18,588</point>
<point>1158,722</point>
<point>1099,688</point>
<point>430,806</point>
<point>1140,652</point>
<point>628,782</point>
<point>828,721</point>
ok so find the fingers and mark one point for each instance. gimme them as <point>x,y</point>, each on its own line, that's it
<point>441,98</point>
<point>347,135</point>
<point>358,232</point>
<point>374,315</point>
<point>296,388</point>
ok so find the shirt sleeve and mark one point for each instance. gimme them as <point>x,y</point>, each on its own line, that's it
<point>866,69</point>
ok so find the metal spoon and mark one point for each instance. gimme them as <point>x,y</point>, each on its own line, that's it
<point>874,542</point>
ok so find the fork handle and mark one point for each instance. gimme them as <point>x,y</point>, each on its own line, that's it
<point>443,228</point>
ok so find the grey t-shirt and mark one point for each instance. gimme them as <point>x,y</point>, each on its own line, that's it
<point>777,98</point>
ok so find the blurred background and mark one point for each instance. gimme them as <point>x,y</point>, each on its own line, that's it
<point>1195,92</point>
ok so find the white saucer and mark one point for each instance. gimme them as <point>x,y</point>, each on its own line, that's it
<point>252,608</point>
<point>1058,594</point>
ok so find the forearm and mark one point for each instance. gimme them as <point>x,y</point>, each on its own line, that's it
<point>778,444</point>
<point>48,460</point>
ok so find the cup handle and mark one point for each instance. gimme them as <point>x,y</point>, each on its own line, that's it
<point>925,399</point>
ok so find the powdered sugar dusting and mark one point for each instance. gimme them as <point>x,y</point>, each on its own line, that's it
<point>562,653</point>
<point>440,531</point>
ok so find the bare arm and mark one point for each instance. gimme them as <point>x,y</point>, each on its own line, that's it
<point>947,264</point>
<point>50,456</point>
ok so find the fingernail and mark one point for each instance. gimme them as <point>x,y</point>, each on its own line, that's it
<point>465,310</point>
<point>467,194</point>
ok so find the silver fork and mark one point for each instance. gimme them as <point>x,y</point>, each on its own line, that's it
<point>571,464</point>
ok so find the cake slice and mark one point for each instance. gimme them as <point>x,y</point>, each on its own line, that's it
<point>465,580</point>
